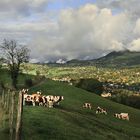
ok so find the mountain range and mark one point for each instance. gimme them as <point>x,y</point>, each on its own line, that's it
<point>112,59</point>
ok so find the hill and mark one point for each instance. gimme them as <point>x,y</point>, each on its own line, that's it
<point>120,58</point>
<point>113,59</point>
<point>70,121</point>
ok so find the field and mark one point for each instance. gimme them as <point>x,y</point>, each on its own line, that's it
<point>70,121</point>
<point>125,82</point>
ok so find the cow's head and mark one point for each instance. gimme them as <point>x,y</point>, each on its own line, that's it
<point>62,97</point>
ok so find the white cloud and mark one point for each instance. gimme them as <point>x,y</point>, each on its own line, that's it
<point>137,27</point>
<point>60,61</point>
<point>135,45</point>
<point>86,32</point>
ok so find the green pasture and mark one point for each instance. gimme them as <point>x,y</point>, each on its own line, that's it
<point>70,121</point>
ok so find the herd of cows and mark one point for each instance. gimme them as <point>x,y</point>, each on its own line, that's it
<point>37,99</point>
<point>99,110</point>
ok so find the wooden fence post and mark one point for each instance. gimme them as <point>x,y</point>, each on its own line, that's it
<point>19,117</point>
<point>11,114</point>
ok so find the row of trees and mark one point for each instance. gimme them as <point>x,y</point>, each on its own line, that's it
<point>14,55</point>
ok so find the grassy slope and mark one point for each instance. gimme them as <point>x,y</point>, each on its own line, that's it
<point>70,122</point>
<point>125,58</point>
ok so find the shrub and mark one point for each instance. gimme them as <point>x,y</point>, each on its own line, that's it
<point>92,85</point>
<point>38,73</point>
<point>28,82</point>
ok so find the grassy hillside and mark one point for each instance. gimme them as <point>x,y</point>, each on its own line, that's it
<point>121,58</point>
<point>113,59</point>
<point>71,122</point>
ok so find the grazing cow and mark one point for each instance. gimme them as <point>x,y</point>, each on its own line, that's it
<point>49,97</point>
<point>44,100</point>
<point>50,104</point>
<point>24,91</point>
<point>100,110</point>
<point>37,98</point>
<point>38,93</point>
<point>87,105</point>
<point>53,100</point>
<point>31,99</point>
<point>28,100</point>
<point>123,116</point>
<point>57,99</point>
<point>117,115</point>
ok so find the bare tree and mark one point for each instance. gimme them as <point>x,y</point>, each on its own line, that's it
<point>14,54</point>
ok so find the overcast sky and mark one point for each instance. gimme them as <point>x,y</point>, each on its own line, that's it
<point>71,29</point>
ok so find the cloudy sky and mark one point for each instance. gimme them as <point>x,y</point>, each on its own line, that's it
<point>71,29</point>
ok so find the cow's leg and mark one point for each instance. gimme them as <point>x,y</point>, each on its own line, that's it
<point>33,103</point>
<point>40,104</point>
<point>24,102</point>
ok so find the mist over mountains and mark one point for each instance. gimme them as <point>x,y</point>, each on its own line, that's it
<point>113,59</point>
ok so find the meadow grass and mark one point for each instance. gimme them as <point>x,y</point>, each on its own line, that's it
<point>70,121</point>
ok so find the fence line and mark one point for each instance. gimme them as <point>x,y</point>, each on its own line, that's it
<point>19,117</point>
<point>11,114</point>
<point>11,119</point>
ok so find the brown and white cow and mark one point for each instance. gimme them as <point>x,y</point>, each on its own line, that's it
<point>117,115</point>
<point>87,105</point>
<point>53,100</point>
<point>123,116</point>
<point>100,110</point>
<point>33,99</point>
<point>27,99</point>
<point>57,99</point>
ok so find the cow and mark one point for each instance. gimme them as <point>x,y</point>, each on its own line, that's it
<point>50,104</point>
<point>57,99</point>
<point>28,100</point>
<point>37,97</point>
<point>24,91</point>
<point>117,115</point>
<point>31,99</point>
<point>123,116</point>
<point>87,105</point>
<point>52,100</point>
<point>100,110</point>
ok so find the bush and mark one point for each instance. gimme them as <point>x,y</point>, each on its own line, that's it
<point>28,82</point>
<point>38,73</point>
<point>92,85</point>
<point>133,101</point>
